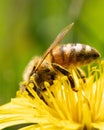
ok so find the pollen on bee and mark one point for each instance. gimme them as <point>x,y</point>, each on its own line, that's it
<point>46,84</point>
<point>32,80</point>
<point>31,85</point>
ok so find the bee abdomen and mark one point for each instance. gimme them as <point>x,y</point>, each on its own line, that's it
<point>73,54</point>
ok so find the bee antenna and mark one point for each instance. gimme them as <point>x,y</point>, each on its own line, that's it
<point>57,40</point>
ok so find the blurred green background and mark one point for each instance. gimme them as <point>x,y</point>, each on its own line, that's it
<point>28,27</point>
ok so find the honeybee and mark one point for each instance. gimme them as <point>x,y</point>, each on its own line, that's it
<point>59,58</point>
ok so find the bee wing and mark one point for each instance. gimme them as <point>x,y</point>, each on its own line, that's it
<point>57,40</point>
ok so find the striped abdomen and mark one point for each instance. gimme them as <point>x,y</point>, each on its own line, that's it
<point>73,54</point>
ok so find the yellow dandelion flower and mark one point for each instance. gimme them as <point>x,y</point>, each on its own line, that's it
<point>62,108</point>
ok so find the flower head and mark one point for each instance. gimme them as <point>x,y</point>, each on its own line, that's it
<point>60,107</point>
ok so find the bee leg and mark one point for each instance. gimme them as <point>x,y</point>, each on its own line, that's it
<point>60,68</point>
<point>81,74</point>
<point>72,83</point>
<point>38,91</point>
<point>67,73</point>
